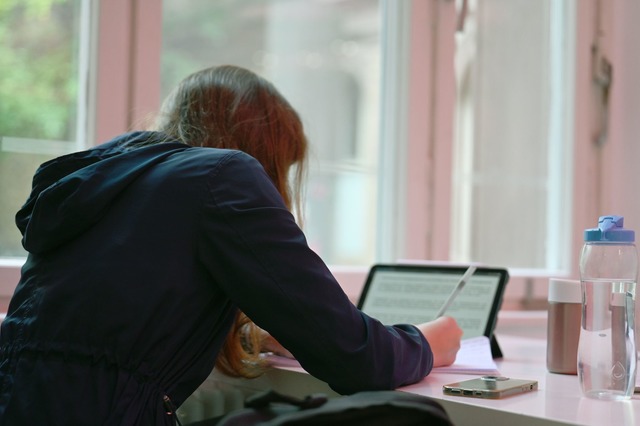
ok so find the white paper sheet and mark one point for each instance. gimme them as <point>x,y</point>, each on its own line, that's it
<point>474,357</point>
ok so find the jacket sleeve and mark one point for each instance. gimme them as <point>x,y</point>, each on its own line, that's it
<point>257,254</point>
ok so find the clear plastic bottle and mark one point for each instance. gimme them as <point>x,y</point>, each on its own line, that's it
<point>608,274</point>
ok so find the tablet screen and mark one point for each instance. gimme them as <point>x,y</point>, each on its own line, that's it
<point>413,294</point>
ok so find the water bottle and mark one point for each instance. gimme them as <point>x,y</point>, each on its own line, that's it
<point>608,273</point>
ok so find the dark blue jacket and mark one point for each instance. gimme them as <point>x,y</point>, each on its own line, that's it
<point>139,255</point>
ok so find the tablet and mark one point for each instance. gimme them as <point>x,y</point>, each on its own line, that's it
<point>414,293</point>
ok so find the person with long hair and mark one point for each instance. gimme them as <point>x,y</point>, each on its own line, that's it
<point>162,253</point>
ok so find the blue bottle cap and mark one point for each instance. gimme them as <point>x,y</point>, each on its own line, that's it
<point>610,230</point>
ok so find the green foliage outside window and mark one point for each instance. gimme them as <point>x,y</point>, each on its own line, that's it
<point>38,97</point>
<point>38,69</point>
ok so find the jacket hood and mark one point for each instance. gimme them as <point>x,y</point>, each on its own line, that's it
<point>71,193</point>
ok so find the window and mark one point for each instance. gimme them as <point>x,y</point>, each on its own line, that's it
<point>43,70</point>
<point>40,86</point>
<point>427,142</point>
<point>513,157</point>
<point>325,59</point>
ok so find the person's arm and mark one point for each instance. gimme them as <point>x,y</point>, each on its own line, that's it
<point>259,256</point>
<point>443,334</point>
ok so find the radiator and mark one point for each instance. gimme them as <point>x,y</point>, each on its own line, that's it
<point>208,402</point>
<point>220,394</point>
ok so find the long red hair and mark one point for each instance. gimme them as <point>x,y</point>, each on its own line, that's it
<point>233,108</point>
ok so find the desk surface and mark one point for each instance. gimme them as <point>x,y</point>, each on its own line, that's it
<point>558,400</point>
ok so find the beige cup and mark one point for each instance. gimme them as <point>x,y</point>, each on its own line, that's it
<point>563,325</point>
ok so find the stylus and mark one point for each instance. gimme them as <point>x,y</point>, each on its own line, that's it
<point>456,290</point>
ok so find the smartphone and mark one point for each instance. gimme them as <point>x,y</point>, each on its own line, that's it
<point>493,387</point>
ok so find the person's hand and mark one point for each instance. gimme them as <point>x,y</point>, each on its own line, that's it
<point>443,335</point>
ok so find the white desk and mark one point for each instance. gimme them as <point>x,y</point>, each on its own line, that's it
<point>557,402</point>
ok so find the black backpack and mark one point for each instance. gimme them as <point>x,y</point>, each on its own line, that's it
<point>363,408</point>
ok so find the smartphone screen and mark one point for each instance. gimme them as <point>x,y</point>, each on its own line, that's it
<point>490,387</point>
